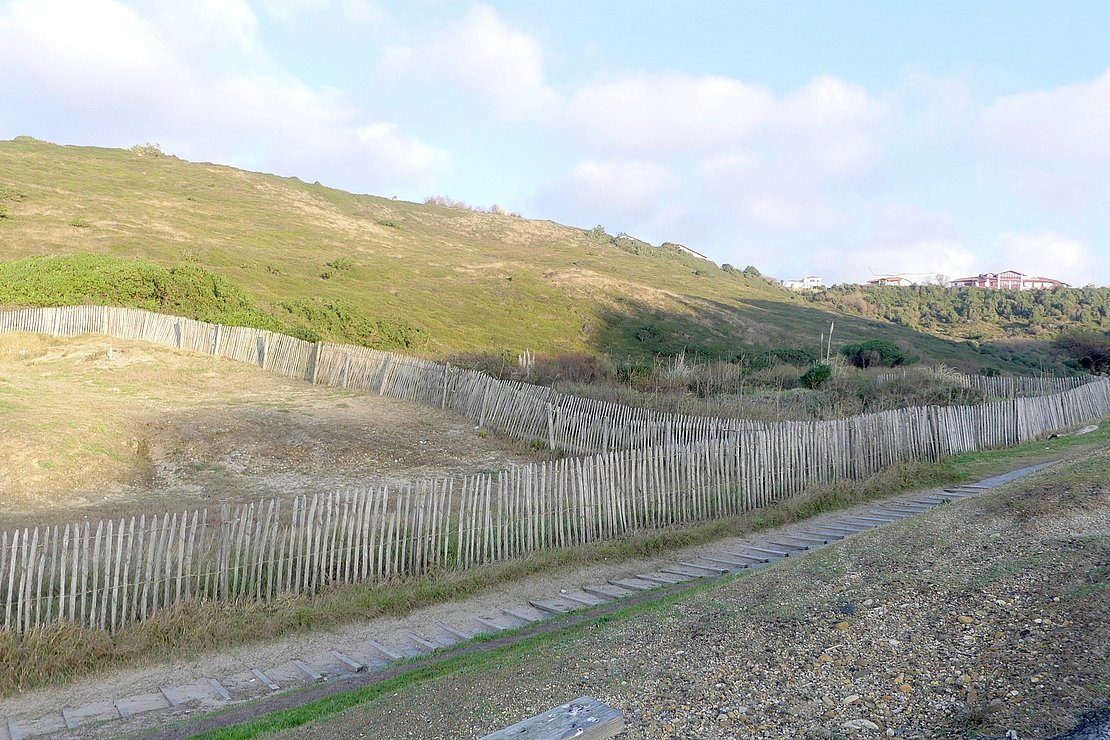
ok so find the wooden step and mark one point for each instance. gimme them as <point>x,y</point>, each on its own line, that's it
<point>630,584</point>
<point>305,669</point>
<point>348,661</point>
<point>663,579</point>
<point>489,624</point>
<point>702,566</point>
<point>769,551</point>
<point>456,633</point>
<point>384,650</point>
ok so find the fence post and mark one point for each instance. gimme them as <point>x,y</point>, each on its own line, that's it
<point>550,427</point>
<point>446,368</point>
<point>316,361</point>
<point>485,402</point>
<point>216,348</point>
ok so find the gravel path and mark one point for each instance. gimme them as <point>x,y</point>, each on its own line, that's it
<point>988,617</point>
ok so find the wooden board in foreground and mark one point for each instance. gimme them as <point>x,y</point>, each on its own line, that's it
<point>585,718</point>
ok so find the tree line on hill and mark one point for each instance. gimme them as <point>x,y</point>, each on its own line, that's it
<point>975,313</point>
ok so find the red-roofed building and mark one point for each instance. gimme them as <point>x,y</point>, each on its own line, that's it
<point>1007,280</point>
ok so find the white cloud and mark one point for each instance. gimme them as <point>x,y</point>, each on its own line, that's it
<point>289,11</point>
<point>631,190</point>
<point>1066,122</point>
<point>81,47</point>
<point>1048,254</point>
<point>766,161</point>
<point>112,76</point>
<point>667,113</point>
<point>768,191</point>
<point>363,11</point>
<point>354,11</point>
<point>482,55</point>
<point>834,125</point>
<point>1050,145</point>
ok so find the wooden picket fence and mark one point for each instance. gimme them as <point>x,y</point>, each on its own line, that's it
<point>113,573</point>
<point>1001,386</point>
<point>519,410</point>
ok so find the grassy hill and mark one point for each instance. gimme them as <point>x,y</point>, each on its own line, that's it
<point>136,227</point>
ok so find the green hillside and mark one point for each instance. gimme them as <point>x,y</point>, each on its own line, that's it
<point>135,227</point>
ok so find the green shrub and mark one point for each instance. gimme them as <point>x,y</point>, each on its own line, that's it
<point>649,333</point>
<point>185,290</point>
<point>816,376</point>
<point>147,150</point>
<point>786,355</point>
<point>81,223</point>
<point>344,322</point>
<point>876,353</point>
<point>598,233</point>
<point>339,264</point>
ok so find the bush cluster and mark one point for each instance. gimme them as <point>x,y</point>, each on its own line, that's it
<point>876,353</point>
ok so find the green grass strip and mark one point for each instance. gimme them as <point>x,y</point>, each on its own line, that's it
<point>450,665</point>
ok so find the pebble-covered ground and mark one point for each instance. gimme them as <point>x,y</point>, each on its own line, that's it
<point>983,618</point>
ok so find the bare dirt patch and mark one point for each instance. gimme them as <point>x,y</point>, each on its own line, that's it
<point>96,426</point>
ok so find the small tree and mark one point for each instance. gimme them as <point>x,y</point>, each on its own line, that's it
<point>876,353</point>
<point>597,232</point>
<point>148,150</point>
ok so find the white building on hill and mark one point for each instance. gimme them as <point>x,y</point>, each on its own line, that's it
<point>1007,280</point>
<point>808,282</point>
<point>897,280</point>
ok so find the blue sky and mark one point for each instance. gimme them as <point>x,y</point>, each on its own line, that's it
<point>843,139</point>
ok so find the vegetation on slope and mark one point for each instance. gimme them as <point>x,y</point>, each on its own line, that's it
<point>976,314</point>
<point>423,278</point>
<point>102,279</point>
<point>1086,348</point>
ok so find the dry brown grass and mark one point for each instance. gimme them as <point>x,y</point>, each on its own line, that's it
<point>101,427</point>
